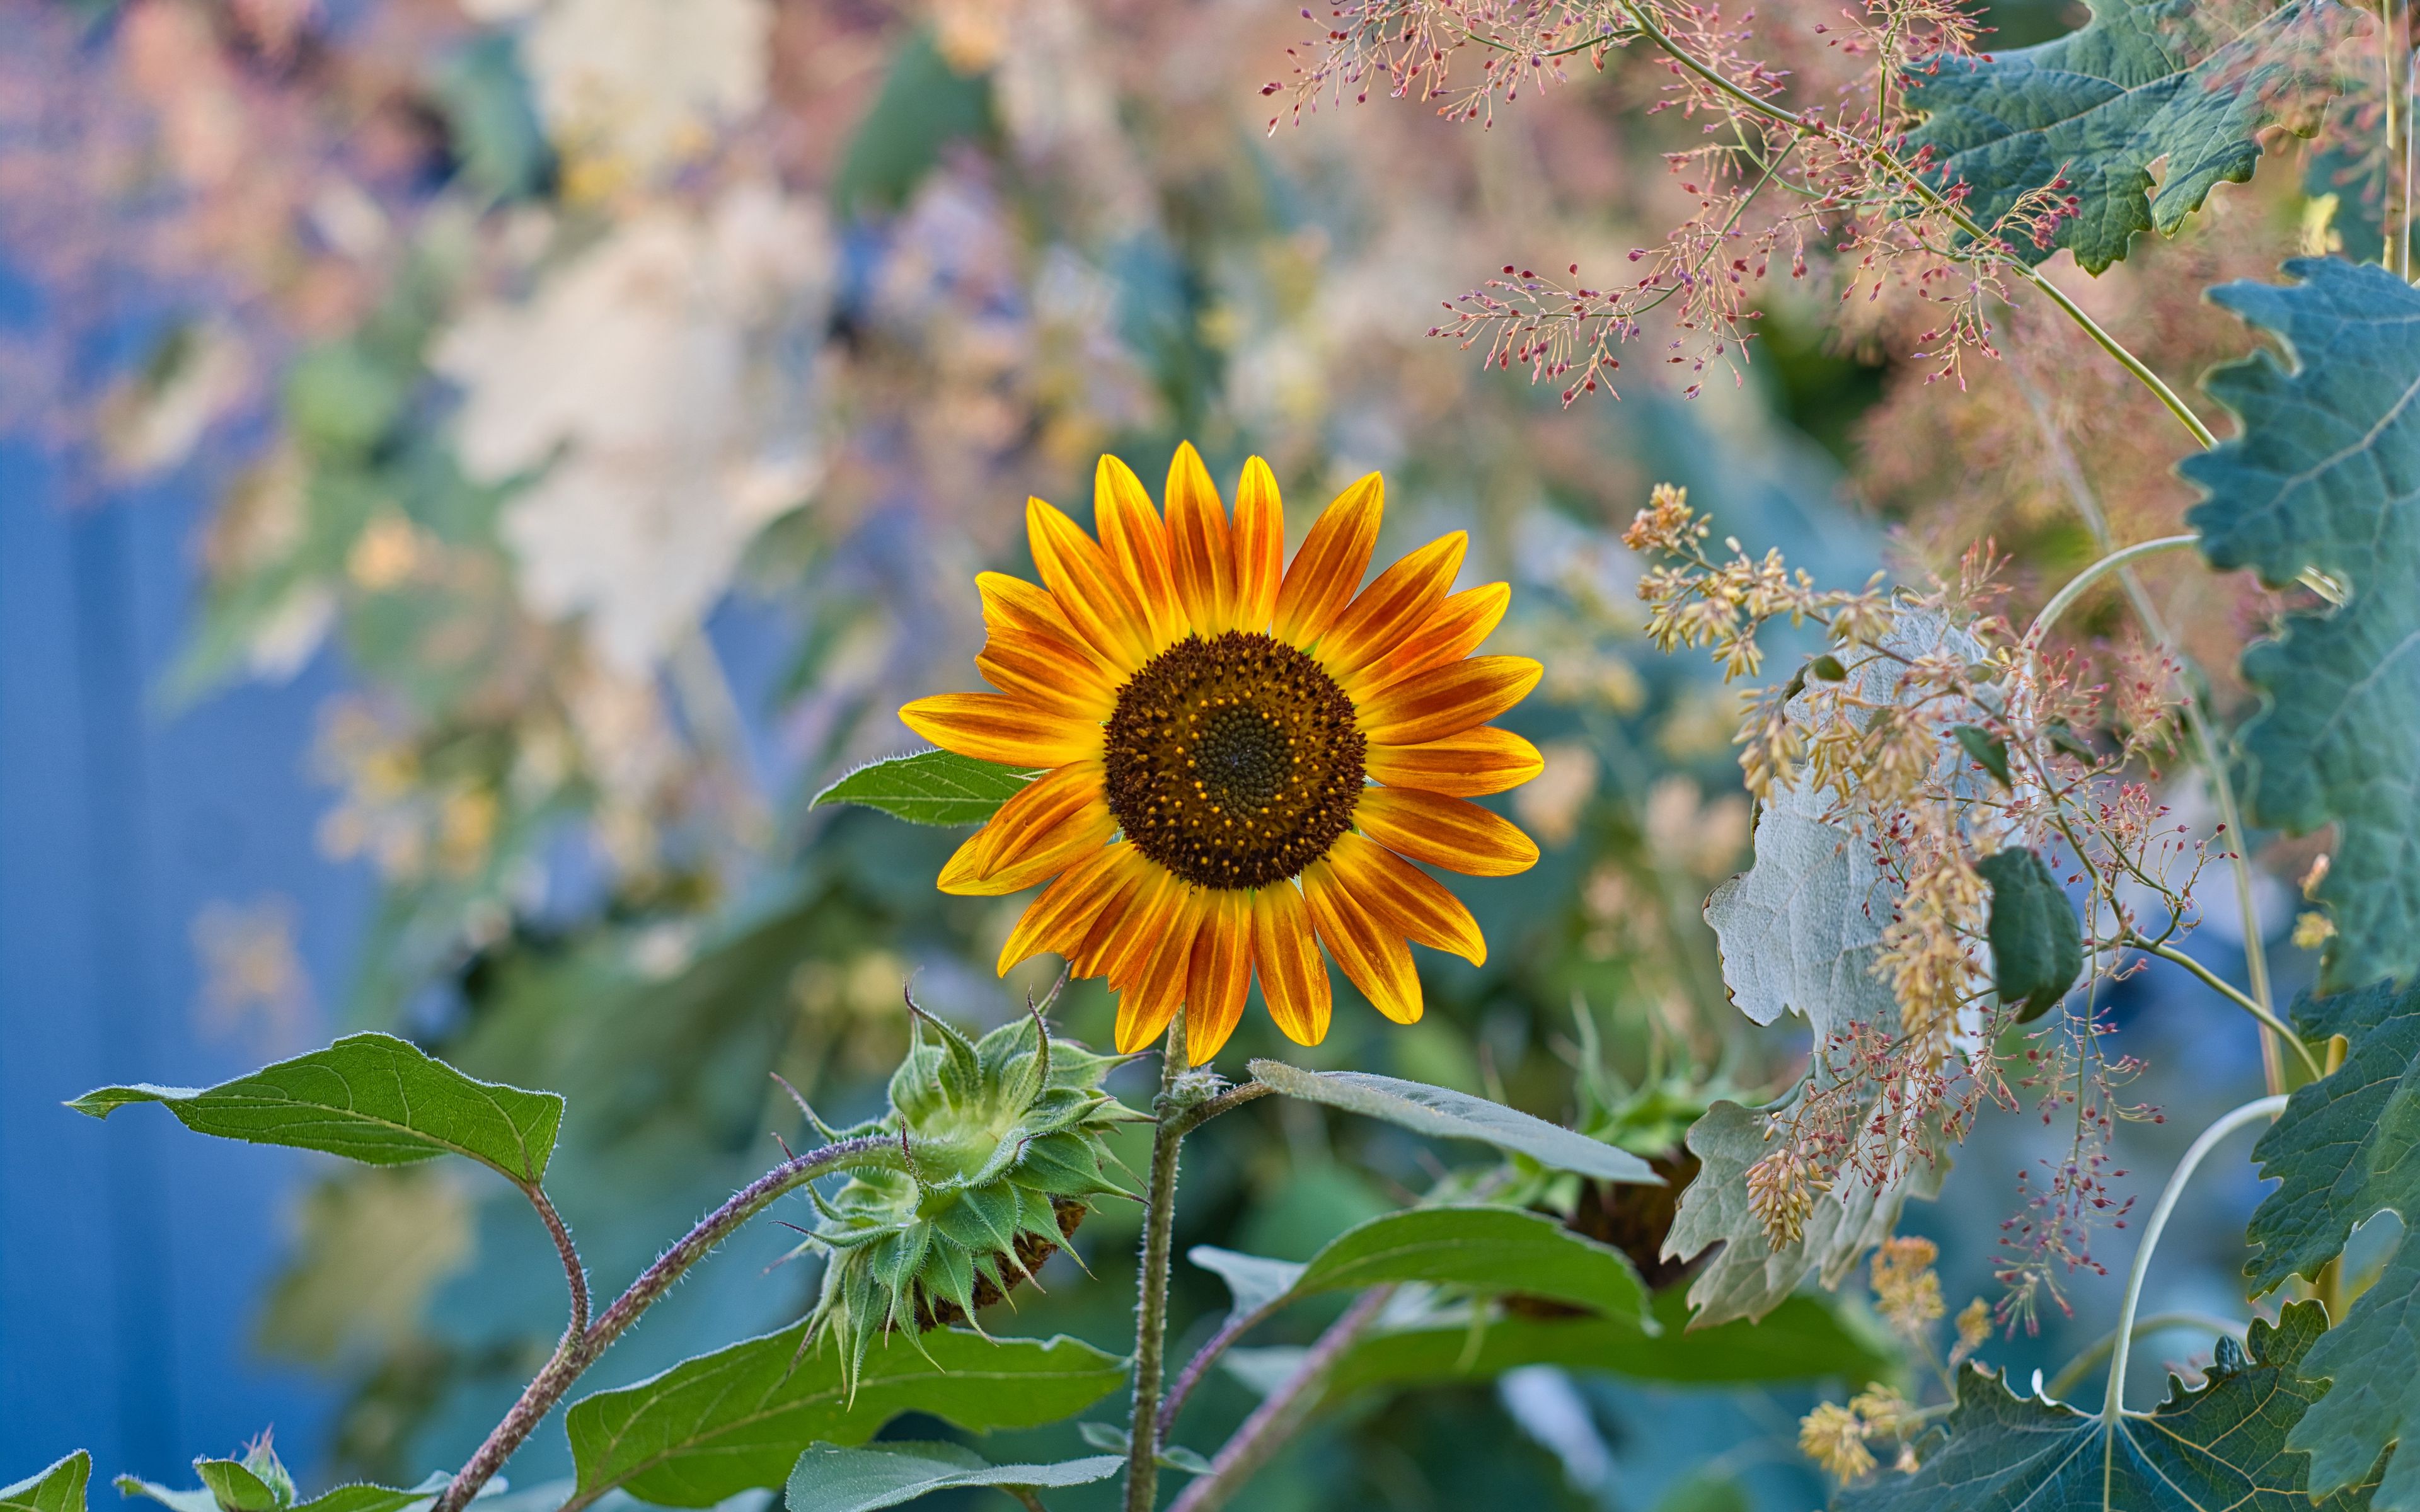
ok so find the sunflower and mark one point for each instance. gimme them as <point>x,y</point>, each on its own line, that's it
<point>1238,754</point>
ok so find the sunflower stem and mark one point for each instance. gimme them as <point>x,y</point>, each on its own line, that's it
<point>1151,1300</point>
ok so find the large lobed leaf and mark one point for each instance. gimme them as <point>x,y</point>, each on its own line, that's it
<point>2184,80</point>
<point>368,1097</point>
<point>2326,477</point>
<point>2342,1153</point>
<point>57,1488</point>
<point>1445,1113</point>
<point>930,787</point>
<point>740,1417</point>
<point>2221,1445</point>
<point>829,1478</point>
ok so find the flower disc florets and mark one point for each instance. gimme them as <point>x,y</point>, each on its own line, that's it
<point>1000,1148</point>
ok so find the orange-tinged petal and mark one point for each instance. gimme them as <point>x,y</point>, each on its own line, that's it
<point>1375,957</point>
<point>1447,699</point>
<point>1136,542</point>
<point>1285,956</point>
<point>1399,603</point>
<point>1048,672</point>
<point>1453,632</point>
<point>1204,556</point>
<point>1004,728</point>
<point>1014,604</point>
<point>1452,833</point>
<point>1035,820</point>
<point>1221,976</point>
<point>1145,1008</point>
<point>1062,846</point>
<point>1117,949</point>
<point>1327,570</point>
<point>1466,765</point>
<point>1058,920</point>
<point>1414,904</point>
<point>1133,887</point>
<point>1258,541</point>
<point>1089,588</point>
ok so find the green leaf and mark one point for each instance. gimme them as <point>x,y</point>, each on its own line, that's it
<point>2325,476</point>
<point>740,1417</point>
<point>829,1478</point>
<point>1482,1249</point>
<point>2143,81</point>
<point>1801,1341</point>
<point>931,787</point>
<point>1254,1282</point>
<point>1443,1114</point>
<point>367,1498</point>
<point>238,1488</point>
<point>2223,1444</point>
<point>2036,945</point>
<point>1748,1277</point>
<point>2341,1155</point>
<point>1989,750</point>
<point>58,1489</point>
<point>368,1097</point>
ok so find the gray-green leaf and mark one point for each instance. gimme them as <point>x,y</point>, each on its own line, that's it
<point>2341,1153</point>
<point>1493,1251</point>
<point>740,1417</point>
<point>2221,1445</point>
<point>1253,1281</point>
<point>1443,1114</point>
<point>2036,945</point>
<point>2326,476</point>
<point>2143,81</point>
<point>829,1478</point>
<point>368,1097</point>
<point>1749,1277</point>
<point>58,1489</point>
<point>931,787</point>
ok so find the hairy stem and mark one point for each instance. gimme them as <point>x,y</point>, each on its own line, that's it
<point>1235,1327</point>
<point>1150,1299</point>
<point>2072,1374</point>
<point>1282,1412</point>
<point>2113,1405</point>
<point>1647,28</point>
<point>579,1350</point>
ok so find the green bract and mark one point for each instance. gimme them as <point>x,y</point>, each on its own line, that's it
<point>1000,1147</point>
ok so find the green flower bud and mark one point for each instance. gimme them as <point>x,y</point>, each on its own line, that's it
<point>1000,1150</point>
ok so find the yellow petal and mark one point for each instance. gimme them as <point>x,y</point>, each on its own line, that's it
<point>1293,973</point>
<point>1204,556</point>
<point>1089,588</point>
<point>1133,887</point>
<point>1118,950</point>
<point>1412,903</point>
<point>1258,541</point>
<point>1136,542</point>
<point>1466,765</point>
<point>1057,920</point>
<point>1055,851</point>
<point>1002,727</point>
<point>1327,570</point>
<point>1048,672</point>
<point>1158,990</point>
<point>1391,609</point>
<point>1452,633</point>
<point>1448,832</point>
<point>1037,819</point>
<point>1375,958</point>
<point>1221,976</point>
<point>1447,699</point>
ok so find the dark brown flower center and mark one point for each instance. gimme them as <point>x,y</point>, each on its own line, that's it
<point>1233,762</point>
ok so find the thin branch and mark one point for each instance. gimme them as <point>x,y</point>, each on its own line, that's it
<point>578,1351</point>
<point>1235,1327</point>
<point>2228,989</point>
<point>2117,561</point>
<point>2072,1374</point>
<point>1284,1411</point>
<point>2113,1405</point>
<point>1202,1112</point>
<point>575,1275</point>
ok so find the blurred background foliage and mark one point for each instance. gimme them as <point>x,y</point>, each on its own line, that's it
<point>620,395</point>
